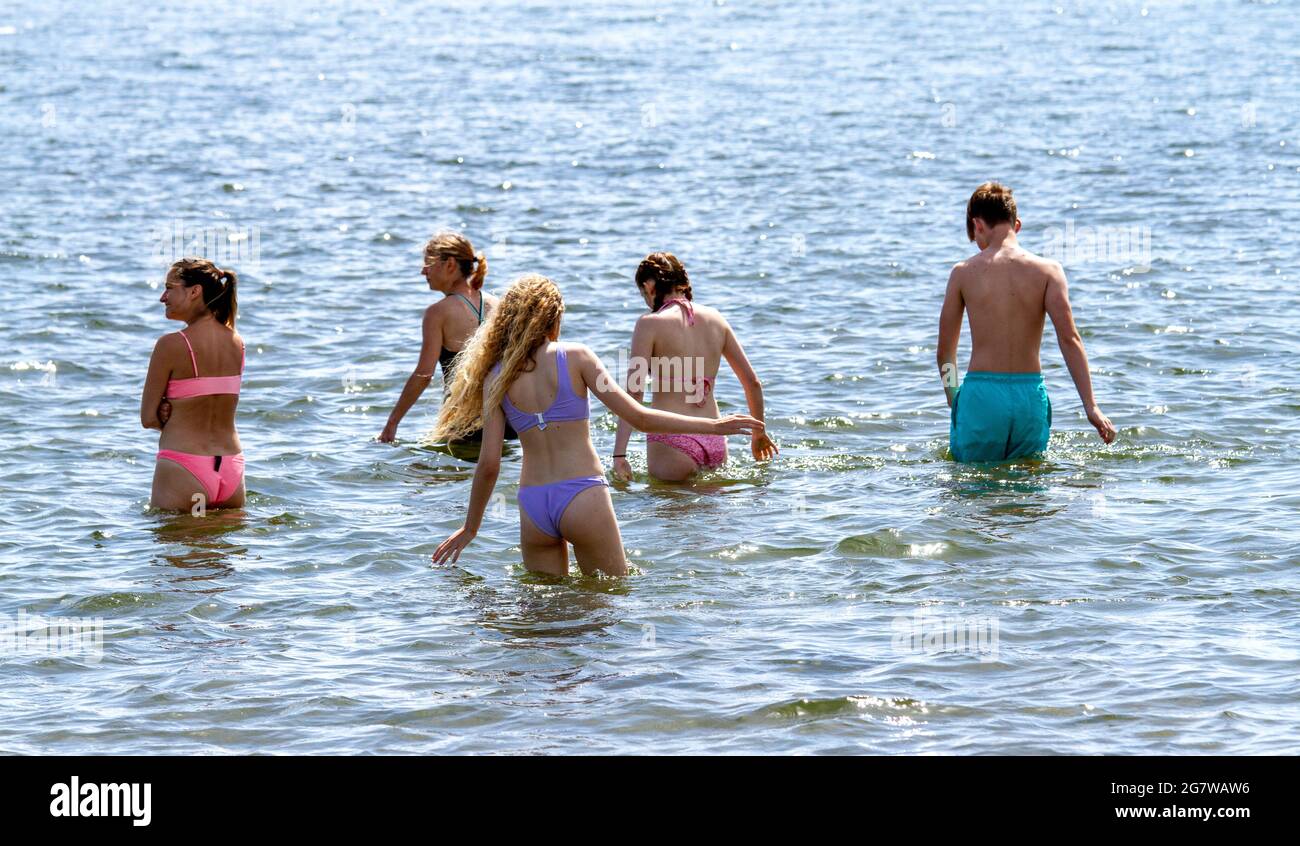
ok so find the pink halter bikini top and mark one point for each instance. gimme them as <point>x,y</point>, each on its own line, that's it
<point>689,311</point>
<point>202,386</point>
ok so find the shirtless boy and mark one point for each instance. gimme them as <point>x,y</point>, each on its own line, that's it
<point>1001,410</point>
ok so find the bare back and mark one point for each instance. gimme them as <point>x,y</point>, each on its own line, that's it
<point>203,425</point>
<point>459,321</point>
<point>1004,293</point>
<point>563,450</point>
<point>682,354</point>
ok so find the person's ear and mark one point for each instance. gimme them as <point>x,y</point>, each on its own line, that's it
<point>1017,225</point>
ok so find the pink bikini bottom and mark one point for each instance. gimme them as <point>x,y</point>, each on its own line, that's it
<point>707,451</point>
<point>219,475</point>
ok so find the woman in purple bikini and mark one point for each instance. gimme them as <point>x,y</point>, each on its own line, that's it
<point>678,348</point>
<point>516,364</point>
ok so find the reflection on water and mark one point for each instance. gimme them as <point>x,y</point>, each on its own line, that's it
<point>198,546</point>
<point>987,494</point>
<point>539,609</point>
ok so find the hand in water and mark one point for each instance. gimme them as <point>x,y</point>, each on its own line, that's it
<point>389,434</point>
<point>1102,423</point>
<point>449,550</point>
<point>622,470</point>
<point>738,424</point>
<point>763,448</point>
<point>164,413</point>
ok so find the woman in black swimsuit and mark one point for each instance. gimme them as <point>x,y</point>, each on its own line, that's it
<point>453,268</point>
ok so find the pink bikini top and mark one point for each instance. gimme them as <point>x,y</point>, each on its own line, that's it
<point>202,386</point>
<point>689,311</point>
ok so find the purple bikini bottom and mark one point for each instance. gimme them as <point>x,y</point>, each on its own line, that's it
<point>545,504</point>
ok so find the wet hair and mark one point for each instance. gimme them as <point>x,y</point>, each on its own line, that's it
<point>668,275</point>
<point>218,286</point>
<point>527,315</point>
<point>457,246</point>
<point>992,203</point>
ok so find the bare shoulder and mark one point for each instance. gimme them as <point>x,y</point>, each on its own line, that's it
<point>710,316</point>
<point>578,351</point>
<point>708,312</point>
<point>960,271</point>
<point>436,314</point>
<point>170,344</point>
<point>1047,266</point>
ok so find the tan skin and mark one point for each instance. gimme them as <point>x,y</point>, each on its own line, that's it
<point>1006,290</point>
<point>564,451</point>
<point>197,425</point>
<point>447,323</point>
<point>665,335</point>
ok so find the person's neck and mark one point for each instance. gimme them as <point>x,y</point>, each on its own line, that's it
<point>194,321</point>
<point>1003,236</point>
<point>463,288</point>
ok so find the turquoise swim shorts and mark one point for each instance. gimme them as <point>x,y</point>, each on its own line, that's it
<point>1000,416</point>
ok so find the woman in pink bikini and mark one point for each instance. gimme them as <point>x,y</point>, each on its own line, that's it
<point>517,364</point>
<point>192,389</point>
<point>677,349</point>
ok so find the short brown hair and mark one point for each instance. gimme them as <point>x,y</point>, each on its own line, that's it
<point>992,202</point>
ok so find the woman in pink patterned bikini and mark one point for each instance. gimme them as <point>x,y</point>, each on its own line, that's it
<point>676,351</point>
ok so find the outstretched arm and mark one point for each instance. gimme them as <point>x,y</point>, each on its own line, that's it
<point>646,419</point>
<point>760,444</point>
<point>1057,302</point>
<point>950,334</point>
<point>430,348</point>
<point>480,493</point>
<point>638,376</point>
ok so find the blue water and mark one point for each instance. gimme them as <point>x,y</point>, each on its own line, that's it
<point>810,163</point>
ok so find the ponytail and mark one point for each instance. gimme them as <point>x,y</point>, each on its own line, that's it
<point>480,272</point>
<point>218,287</point>
<point>225,305</point>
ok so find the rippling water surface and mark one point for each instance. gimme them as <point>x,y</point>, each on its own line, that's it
<point>809,161</point>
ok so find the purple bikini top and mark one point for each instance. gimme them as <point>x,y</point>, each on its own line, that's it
<point>566,406</point>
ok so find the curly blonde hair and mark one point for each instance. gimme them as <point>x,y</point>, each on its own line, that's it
<point>528,314</point>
